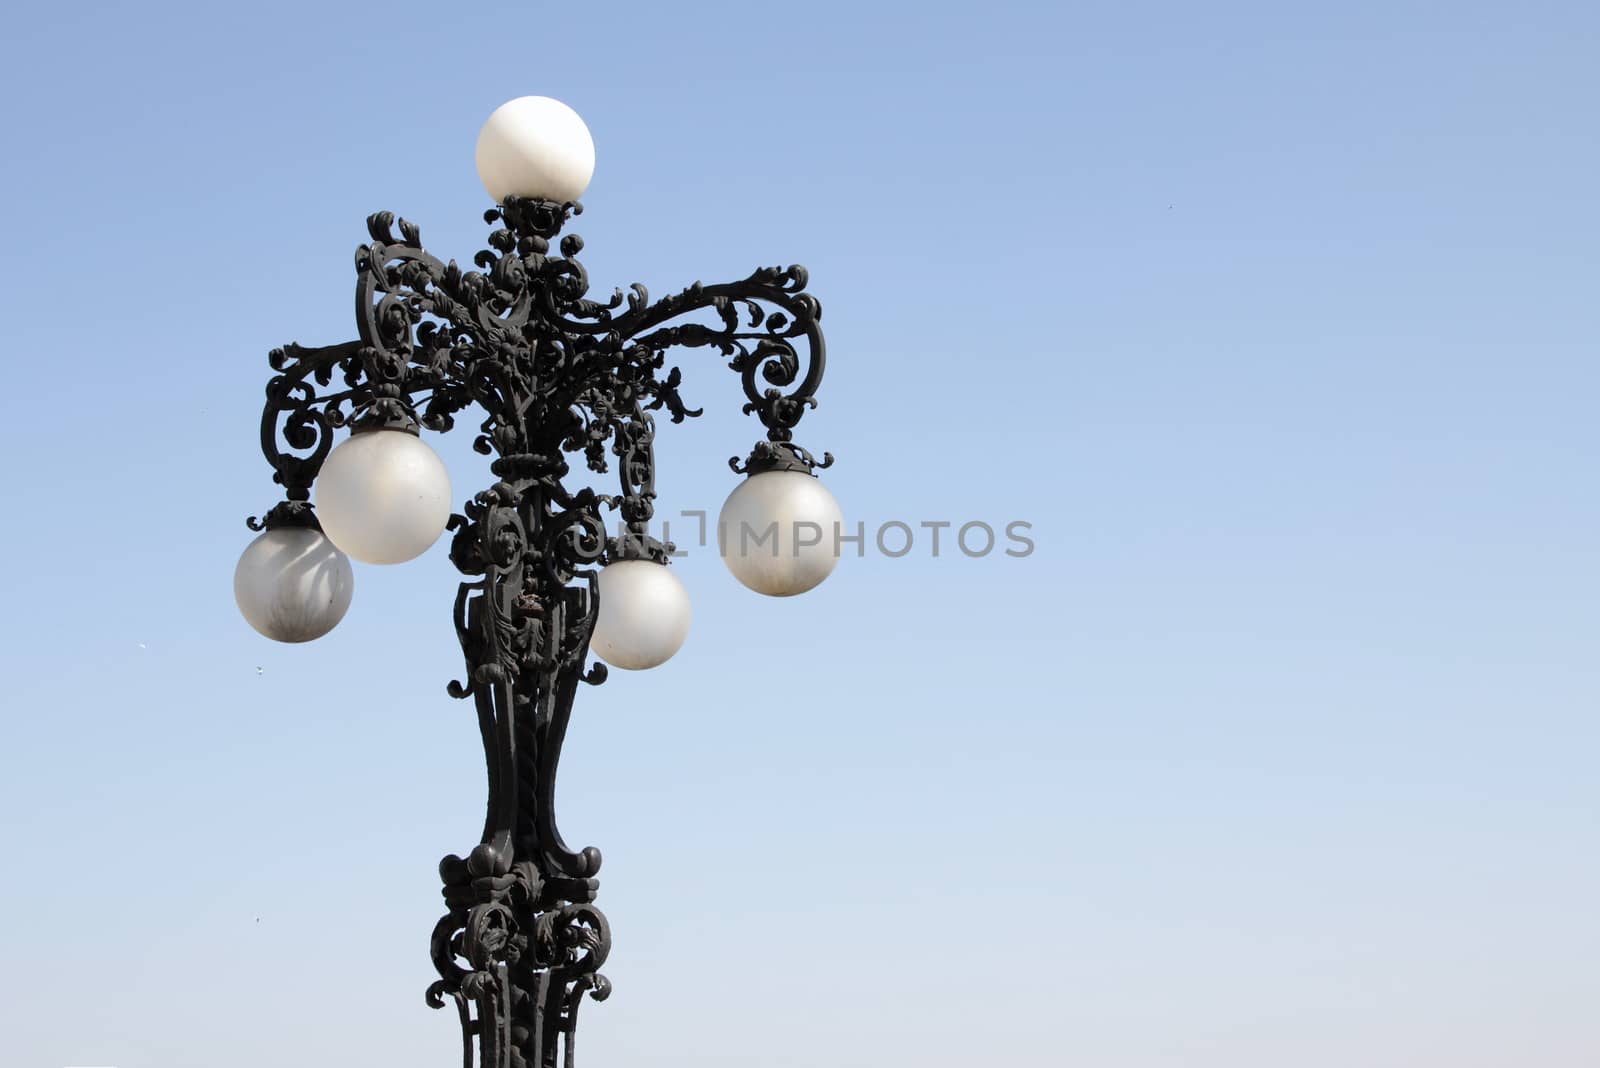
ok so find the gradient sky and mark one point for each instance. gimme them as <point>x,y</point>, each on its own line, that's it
<point>1278,323</point>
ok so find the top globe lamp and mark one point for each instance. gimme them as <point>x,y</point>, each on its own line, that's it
<point>535,147</point>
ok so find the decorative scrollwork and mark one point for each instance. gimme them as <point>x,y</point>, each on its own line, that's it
<point>297,424</point>
<point>554,375</point>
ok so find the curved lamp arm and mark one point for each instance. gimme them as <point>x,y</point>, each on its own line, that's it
<point>520,339</point>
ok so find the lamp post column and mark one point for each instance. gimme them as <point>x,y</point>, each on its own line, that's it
<point>552,374</point>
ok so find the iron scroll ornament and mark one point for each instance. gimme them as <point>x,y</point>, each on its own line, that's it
<point>554,374</point>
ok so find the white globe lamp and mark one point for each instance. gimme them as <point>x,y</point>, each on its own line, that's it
<point>644,615</point>
<point>535,147</point>
<point>383,496</point>
<point>778,532</point>
<point>292,584</point>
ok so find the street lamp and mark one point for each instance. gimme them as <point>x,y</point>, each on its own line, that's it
<point>554,374</point>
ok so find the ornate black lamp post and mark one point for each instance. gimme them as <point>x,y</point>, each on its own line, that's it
<point>554,374</point>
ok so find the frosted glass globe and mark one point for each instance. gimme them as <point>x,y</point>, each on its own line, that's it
<point>778,532</point>
<point>534,146</point>
<point>644,615</point>
<point>293,585</point>
<point>383,496</point>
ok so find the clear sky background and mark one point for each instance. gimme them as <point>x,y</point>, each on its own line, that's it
<point>1277,321</point>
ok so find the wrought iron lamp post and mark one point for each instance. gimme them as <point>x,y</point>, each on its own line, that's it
<point>554,375</point>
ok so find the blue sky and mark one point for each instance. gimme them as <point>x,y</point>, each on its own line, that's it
<point>1276,322</point>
